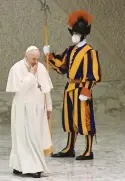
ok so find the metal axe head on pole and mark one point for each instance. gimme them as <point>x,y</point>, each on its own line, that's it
<point>44,6</point>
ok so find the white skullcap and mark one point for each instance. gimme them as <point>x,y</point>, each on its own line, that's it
<point>31,48</point>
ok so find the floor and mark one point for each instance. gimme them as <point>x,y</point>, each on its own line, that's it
<point>109,162</point>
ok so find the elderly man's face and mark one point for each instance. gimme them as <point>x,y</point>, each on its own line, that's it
<point>32,57</point>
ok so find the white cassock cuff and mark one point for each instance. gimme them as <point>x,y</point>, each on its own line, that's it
<point>46,49</point>
<point>83,98</point>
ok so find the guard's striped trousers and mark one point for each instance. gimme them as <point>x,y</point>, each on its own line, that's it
<point>77,115</point>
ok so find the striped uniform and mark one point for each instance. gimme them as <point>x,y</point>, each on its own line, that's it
<point>79,64</point>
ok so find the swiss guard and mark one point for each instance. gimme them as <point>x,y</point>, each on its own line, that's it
<point>81,64</point>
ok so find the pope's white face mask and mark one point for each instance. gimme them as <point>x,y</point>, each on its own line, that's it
<point>76,38</point>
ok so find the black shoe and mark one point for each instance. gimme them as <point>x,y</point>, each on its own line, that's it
<point>67,154</point>
<point>16,172</point>
<point>83,157</point>
<point>36,175</point>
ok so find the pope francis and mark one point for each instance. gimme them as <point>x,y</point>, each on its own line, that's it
<point>31,109</point>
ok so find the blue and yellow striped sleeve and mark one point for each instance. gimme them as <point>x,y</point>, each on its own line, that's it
<point>58,62</point>
<point>91,72</point>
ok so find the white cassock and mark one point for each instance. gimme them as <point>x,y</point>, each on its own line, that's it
<point>29,124</point>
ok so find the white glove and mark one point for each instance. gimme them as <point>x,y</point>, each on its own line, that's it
<point>83,98</point>
<point>46,49</point>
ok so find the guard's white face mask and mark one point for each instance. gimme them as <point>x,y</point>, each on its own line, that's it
<point>76,38</point>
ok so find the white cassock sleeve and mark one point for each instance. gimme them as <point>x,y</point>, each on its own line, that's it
<point>48,101</point>
<point>15,84</point>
